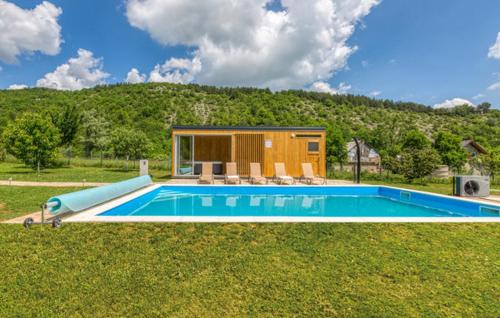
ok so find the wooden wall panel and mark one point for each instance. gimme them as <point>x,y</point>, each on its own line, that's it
<point>212,148</point>
<point>248,148</point>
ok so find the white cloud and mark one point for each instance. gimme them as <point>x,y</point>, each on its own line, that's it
<point>17,86</point>
<point>79,72</point>
<point>478,96</point>
<point>176,70</point>
<point>450,103</point>
<point>242,43</point>
<point>324,87</point>
<point>27,31</point>
<point>375,93</point>
<point>494,87</point>
<point>134,76</point>
<point>364,63</point>
<point>494,51</point>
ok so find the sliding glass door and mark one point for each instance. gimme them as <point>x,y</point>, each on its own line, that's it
<point>185,155</point>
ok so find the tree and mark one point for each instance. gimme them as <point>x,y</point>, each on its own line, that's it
<point>414,139</point>
<point>418,159</point>
<point>32,139</point>
<point>95,133</point>
<point>450,150</point>
<point>491,162</point>
<point>483,107</point>
<point>337,146</point>
<point>129,144</point>
<point>418,163</point>
<point>67,121</point>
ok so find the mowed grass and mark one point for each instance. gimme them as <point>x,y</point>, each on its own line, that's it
<point>17,201</point>
<point>19,172</point>
<point>214,270</point>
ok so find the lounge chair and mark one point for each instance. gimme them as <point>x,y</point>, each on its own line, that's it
<point>256,175</point>
<point>308,175</point>
<point>206,176</point>
<point>280,175</point>
<point>231,175</point>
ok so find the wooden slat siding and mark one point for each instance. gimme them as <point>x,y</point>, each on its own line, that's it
<point>248,148</point>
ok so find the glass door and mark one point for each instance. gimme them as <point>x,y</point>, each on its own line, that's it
<point>185,155</point>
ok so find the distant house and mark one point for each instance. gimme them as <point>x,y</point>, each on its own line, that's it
<point>473,148</point>
<point>370,159</point>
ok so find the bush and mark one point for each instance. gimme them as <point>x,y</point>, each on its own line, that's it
<point>418,163</point>
<point>32,139</point>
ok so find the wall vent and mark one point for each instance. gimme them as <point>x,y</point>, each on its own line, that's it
<point>405,195</point>
<point>490,210</point>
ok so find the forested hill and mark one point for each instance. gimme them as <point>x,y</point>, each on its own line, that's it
<point>154,107</point>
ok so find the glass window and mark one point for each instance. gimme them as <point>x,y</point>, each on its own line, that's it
<point>313,146</point>
<point>185,155</point>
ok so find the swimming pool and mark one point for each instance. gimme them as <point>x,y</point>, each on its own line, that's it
<point>292,203</point>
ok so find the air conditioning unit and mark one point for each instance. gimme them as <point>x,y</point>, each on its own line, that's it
<point>472,186</point>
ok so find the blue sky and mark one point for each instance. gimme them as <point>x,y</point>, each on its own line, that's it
<point>423,51</point>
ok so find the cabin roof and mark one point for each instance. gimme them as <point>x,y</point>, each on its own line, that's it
<point>257,128</point>
<point>474,144</point>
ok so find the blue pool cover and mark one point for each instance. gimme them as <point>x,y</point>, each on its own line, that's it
<point>84,199</point>
<point>300,201</point>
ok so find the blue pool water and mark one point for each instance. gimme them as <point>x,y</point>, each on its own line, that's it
<point>367,201</point>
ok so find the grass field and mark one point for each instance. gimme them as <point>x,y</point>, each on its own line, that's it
<point>214,270</point>
<point>19,172</point>
<point>17,201</point>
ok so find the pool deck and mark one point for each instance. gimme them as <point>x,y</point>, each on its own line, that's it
<point>91,215</point>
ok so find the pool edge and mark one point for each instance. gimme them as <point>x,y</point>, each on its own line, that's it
<point>92,215</point>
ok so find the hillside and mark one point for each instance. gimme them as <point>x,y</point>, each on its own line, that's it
<point>154,107</point>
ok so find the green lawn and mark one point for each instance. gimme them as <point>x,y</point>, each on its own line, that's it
<point>214,270</point>
<point>17,201</point>
<point>191,270</point>
<point>19,172</point>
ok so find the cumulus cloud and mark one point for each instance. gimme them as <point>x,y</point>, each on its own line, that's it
<point>134,76</point>
<point>450,103</point>
<point>494,87</point>
<point>79,72</point>
<point>494,51</point>
<point>243,43</point>
<point>181,71</point>
<point>324,87</point>
<point>17,86</point>
<point>27,31</point>
<point>375,93</point>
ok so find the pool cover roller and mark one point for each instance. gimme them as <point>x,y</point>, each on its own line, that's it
<point>84,199</point>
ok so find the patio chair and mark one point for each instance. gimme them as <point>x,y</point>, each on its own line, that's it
<point>308,175</point>
<point>231,175</point>
<point>207,175</point>
<point>280,175</point>
<point>256,175</point>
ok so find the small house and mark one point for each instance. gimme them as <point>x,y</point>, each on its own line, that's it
<point>370,159</point>
<point>473,148</point>
<point>192,145</point>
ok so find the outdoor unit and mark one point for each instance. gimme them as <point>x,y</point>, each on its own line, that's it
<point>472,186</point>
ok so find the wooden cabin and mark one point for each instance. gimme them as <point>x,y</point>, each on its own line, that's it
<point>192,145</point>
